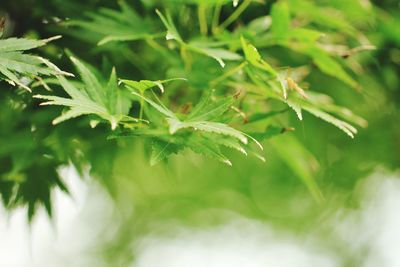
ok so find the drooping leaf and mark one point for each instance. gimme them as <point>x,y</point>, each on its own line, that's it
<point>208,149</point>
<point>344,126</point>
<point>207,126</point>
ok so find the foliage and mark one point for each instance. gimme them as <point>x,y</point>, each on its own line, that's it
<point>14,63</point>
<point>213,77</point>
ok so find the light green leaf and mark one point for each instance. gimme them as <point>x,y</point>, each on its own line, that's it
<point>160,108</point>
<point>91,98</point>
<point>254,57</point>
<point>22,44</point>
<point>143,85</point>
<point>92,86</point>
<point>172,32</point>
<point>14,63</point>
<point>207,126</point>
<point>218,54</point>
<point>207,109</point>
<point>204,48</point>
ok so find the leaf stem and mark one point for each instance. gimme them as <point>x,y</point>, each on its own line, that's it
<point>228,73</point>
<point>185,55</point>
<point>235,14</point>
<point>201,13</point>
<point>215,21</point>
<point>155,45</point>
<point>141,109</point>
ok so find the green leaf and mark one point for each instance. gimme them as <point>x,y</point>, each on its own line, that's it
<point>321,16</point>
<point>91,98</point>
<point>207,109</point>
<point>176,124</point>
<point>161,150</point>
<point>204,48</point>
<point>326,103</point>
<point>221,134</point>
<point>218,54</point>
<point>342,125</point>
<point>304,40</point>
<point>22,44</point>
<point>228,142</point>
<point>172,32</point>
<point>254,57</point>
<point>111,25</point>
<point>280,19</point>
<point>160,108</point>
<point>207,126</point>
<point>92,87</point>
<point>114,105</point>
<point>143,85</point>
<point>208,149</point>
<point>14,64</point>
<point>329,66</point>
<point>300,160</point>
<point>298,105</point>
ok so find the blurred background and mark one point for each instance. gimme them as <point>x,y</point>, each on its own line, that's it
<point>193,211</point>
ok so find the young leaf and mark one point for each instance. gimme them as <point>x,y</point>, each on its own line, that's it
<point>254,57</point>
<point>143,85</point>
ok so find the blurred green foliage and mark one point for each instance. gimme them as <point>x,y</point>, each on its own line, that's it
<point>267,70</point>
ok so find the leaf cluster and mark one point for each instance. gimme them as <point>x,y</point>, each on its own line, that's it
<point>249,77</point>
